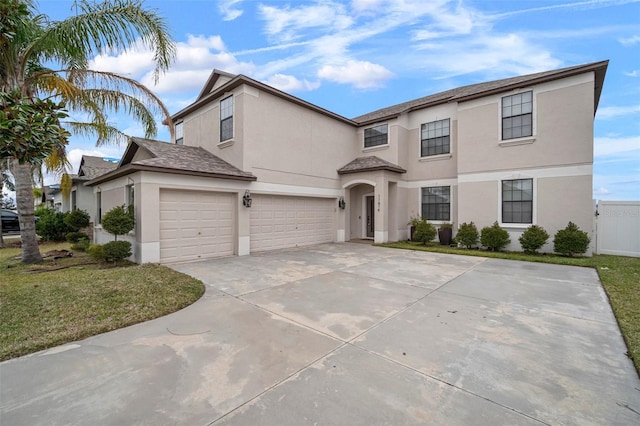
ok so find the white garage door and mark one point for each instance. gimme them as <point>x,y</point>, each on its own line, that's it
<point>281,222</point>
<point>195,225</point>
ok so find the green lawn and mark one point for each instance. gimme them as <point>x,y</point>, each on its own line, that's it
<point>39,310</point>
<point>620,277</point>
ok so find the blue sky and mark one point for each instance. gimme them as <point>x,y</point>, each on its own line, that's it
<point>352,57</point>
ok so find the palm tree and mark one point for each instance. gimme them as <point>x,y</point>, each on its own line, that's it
<point>44,74</point>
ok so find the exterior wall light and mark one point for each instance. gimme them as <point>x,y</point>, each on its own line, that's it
<point>246,199</point>
<point>341,203</point>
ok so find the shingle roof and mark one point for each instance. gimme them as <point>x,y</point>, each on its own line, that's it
<point>92,167</point>
<point>370,163</point>
<point>172,158</point>
<point>483,89</point>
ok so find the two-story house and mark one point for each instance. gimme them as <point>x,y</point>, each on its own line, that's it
<point>253,168</point>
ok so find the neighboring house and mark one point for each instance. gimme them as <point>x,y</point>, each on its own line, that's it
<point>46,200</point>
<point>82,197</point>
<point>253,168</point>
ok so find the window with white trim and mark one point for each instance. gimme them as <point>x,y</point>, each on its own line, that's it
<point>377,135</point>
<point>99,206</point>
<point>435,138</point>
<point>226,119</point>
<point>179,133</point>
<point>517,115</point>
<point>517,201</point>
<point>436,203</point>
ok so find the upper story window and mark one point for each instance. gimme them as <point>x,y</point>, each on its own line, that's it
<point>517,115</point>
<point>226,119</point>
<point>377,135</point>
<point>435,138</point>
<point>517,201</point>
<point>436,203</point>
<point>179,133</point>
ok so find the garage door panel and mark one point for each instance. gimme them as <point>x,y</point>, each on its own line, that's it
<point>281,222</point>
<point>196,225</point>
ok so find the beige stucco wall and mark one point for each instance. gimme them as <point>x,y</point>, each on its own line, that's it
<point>563,129</point>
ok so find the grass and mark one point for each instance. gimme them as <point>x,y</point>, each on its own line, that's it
<point>39,310</point>
<point>620,278</point>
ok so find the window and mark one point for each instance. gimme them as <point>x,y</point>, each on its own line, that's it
<point>99,206</point>
<point>435,138</point>
<point>226,119</point>
<point>131,192</point>
<point>517,115</point>
<point>517,201</point>
<point>179,133</point>
<point>73,200</point>
<point>375,136</point>
<point>436,203</point>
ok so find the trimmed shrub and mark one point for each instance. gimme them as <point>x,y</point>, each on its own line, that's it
<point>117,250</point>
<point>118,221</point>
<point>467,235</point>
<point>571,240</point>
<point>51,226</point>
<point>77,219</point>
<point>533,238</point>
<point>81,245</point>
<point>96,251</point>
<point>494,237</point>
<point>74,237</point>
<point>424,232</point>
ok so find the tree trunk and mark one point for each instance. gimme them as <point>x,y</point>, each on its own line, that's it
<point>24,201</point>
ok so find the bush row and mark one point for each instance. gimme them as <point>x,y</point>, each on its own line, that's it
<point>568,241</point>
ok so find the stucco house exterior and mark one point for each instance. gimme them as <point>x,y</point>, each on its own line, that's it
<point>81,196</point>
<point>253,168</point>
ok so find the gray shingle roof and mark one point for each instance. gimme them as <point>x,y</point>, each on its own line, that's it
<point>172,158</point>
<point>483,89</point>
<point>92,167</point>
<point>370,163</point>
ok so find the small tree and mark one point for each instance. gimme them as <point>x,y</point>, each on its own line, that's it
<point>494,237</point>
<point>571,240</point>
<point>77,219</point>
<point>424,232</point>
<point>533,239</point>
<point>51,225</point>
<point>118,221</point>
<point>467,235</point>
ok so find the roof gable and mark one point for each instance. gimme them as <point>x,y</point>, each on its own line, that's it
<point>368,164</point>
<point>215,80</point>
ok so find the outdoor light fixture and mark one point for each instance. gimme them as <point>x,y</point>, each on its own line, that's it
<point>246,199</point>
<point>341,203</point>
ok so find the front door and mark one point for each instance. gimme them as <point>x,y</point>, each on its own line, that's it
<point>370,216</point>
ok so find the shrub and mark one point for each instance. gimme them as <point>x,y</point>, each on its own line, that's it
<point>424,232</point>
<point>77,219</point>
<point>467,235</point>
<point>74,237</point>
<point>81,245</point>
<point>533,239</point>
<point>97,252</point>
<point>117,221</point>
<point>494,237</point>
<point>51,226</point>
<point>571,240</point>
<point>117,250</point>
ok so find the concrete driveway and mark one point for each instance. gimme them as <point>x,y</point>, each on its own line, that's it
<point>348,334</point>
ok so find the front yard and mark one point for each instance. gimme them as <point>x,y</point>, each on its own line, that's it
<point>620,277</point>
<point>42,307</point>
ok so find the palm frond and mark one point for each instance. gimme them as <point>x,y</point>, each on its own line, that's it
<point>105,132</point>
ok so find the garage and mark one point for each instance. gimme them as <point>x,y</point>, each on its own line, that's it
<point>196,225</point>
<point>280,221</point>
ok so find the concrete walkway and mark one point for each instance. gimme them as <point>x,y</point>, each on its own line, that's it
<point>348,334</point>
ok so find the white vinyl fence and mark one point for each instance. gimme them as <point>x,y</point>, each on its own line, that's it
<point>618,228</point>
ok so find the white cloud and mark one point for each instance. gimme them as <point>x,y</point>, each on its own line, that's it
<point>362,74</point>
<point>630,41</point>
<point>601,191</point>
<point>286,22</point>
<point>634,73</point>
<point>606,113</point>
<point>229,10</point>
<point>131,62</point>
<point>289,83</point>
<point>627,146</point>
